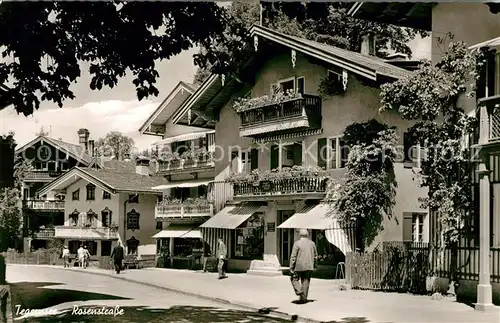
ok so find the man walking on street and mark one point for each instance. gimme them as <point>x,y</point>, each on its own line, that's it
<point>222,255</point>
<point>65,255</point>
<point>302,263</point>
<point>117,256</point>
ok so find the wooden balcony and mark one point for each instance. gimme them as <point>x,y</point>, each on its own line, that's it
<point>303,113</point>
<point>169,212</point>
<point>307,187</point>
<point>186,165</point>
<point>44,205</point>
<point>41,175</point>
<point>489,124</point>
<point>45,233</point>
<point>91,232</point>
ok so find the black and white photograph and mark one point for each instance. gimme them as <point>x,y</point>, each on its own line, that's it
<point>249,161</point>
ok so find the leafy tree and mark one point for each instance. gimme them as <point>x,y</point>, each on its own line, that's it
<point>431,97</point>
<point>10,218</point>
<point>367,192</point>
<point>326,23</point>
<point>42,44</point>
<point>114,144</point>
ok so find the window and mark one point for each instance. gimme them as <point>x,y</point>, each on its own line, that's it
<point>133,198</point>
<point>106,217</point>
<point>335,74</point>
<point>132,246</point>
<point>90,222</point>
<point>488,83</point>
<point>284,85</point>
<point>245,161</point>
<point>73,218</point>
<point>413,154</point>
<point>414,227</point>
<point>159,225</point>
<point>332,153</point>
<point>301,86</point>
<point>90,192</point>
<point>51,166</point>
<point>76,195</point>
<point>41,166</point>
<point>248,239</point>
<point>105,248</point>
<point>63,165</point>
<point>106,195</point>
<point>133,220</point>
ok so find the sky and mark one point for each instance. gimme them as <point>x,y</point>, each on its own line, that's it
<point>116,109</point>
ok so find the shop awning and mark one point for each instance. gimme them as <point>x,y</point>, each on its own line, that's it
<point>233,216</point>
<point>338,237</point>
<point>315,217</point>
<point>193,183</point>
<point>185,137</point>
<point>320,217</point>
<point>179,232</point>
<point>489,43</point>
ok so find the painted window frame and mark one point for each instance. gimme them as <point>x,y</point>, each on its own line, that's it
<point>338,155</point>
<point>90,190</point>
<point>245,163</point>
<point>418,226</point>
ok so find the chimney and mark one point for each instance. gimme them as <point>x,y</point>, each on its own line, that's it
<point>142,166</point>
<point>92,148</point>
<point>83,136</point>
<point>368,43</point>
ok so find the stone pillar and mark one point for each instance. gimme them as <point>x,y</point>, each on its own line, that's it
<point>484,292</point>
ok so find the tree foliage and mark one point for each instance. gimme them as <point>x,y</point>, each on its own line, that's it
<point>323,22</point>
<point>114,144</point>
<point>42,44</point>
<point>367,192</point>
<point>10,218</point>
<point>432,97</point>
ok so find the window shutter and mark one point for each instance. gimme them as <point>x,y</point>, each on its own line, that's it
<point>481,83</point>
<point>297,155</point>
<point>301,85</point>
<point>254,159</point>
<point>274,156</point>
<point>322,153</point>
<point>407,226</point>
<point>491,69</point>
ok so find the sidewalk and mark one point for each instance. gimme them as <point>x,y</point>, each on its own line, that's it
<point>329,303</point>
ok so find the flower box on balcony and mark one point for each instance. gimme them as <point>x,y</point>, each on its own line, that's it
<point>244,104</point>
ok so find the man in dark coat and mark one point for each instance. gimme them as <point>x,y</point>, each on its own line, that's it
<point>222,256</point>
<point>302,263</point>
<point>117,256</point>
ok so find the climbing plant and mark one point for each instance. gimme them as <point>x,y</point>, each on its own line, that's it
<point>367,192</point>
<point>433,97</point>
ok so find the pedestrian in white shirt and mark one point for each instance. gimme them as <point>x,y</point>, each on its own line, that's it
<point>81,256</point>
<point>65,255</point>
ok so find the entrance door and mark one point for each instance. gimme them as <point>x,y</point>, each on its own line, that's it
<point>285,240</point>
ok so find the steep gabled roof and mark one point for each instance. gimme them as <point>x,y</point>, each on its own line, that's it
<point>75,151</point>
<point>110,180</point>
<point>168,106</point>
<point>364,65</point>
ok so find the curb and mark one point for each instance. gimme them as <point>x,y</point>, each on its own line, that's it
<point>241,305</point>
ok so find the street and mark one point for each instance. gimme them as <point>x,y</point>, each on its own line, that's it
<point>42,287</point>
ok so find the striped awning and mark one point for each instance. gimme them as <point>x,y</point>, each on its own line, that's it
<point>338,237</point>
<point>314,217</point>
<point>177,231</point>
<point>233,216</point>
<point>286,136</point>
<point>185,137</point>
<point>184,184</point>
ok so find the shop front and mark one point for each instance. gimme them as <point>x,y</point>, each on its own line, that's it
<point>180,247</point>
<point>332,241</point>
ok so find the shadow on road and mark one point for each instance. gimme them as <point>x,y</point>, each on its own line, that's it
<point>175,314</point>
<point>31,296</point>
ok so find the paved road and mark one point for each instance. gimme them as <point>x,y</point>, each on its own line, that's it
<point>77,288</point>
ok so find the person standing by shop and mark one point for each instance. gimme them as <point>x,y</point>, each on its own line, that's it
<point>302,263</point>
<point>222,256</point>
<point>81,256</point>
<point>65,256</point>
<point>117,256</point>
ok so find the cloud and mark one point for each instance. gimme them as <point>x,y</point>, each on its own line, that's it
<point>98,117</point>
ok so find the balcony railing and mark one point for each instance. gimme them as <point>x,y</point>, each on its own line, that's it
<point>315,186</point>
<point>44,205</point>
<point>187,164</point>
<point>180,210</point>
<point>84,231</point>
<point>45,233</point>
<point>41,175</point>
<point>298,113</point>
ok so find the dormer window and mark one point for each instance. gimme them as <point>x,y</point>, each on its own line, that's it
<point>90,192</point>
